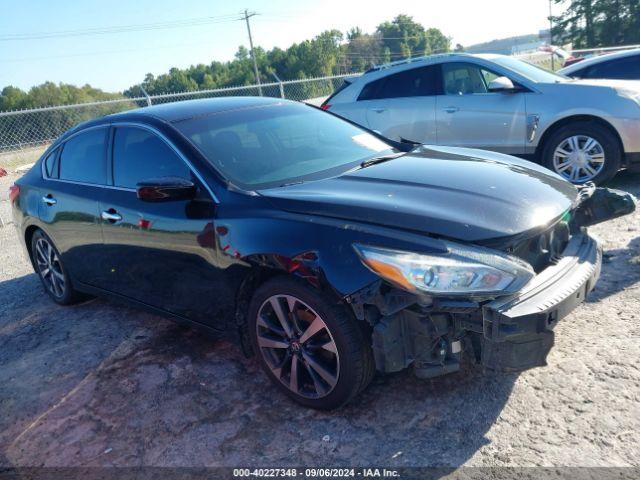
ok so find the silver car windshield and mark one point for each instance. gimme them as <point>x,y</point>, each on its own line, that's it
<point>529,71</point>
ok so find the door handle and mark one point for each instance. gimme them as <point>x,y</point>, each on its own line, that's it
<point>379,110</point>
<point>111,216</point>
<point>49,200</point>
<point>451,109</point>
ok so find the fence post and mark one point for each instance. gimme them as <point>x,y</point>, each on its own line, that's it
<point>280,84</point>
<point>144,92</point>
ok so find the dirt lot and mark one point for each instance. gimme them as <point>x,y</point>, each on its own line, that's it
<point>102,384</point>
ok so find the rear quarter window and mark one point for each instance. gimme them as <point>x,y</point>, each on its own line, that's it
<point>50,165</point>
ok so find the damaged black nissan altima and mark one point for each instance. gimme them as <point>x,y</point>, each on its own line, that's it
<point>324,249</point>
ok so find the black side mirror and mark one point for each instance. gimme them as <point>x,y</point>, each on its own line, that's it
<point>166,189</point>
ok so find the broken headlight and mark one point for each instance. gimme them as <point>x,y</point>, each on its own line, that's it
<point>461,270</point>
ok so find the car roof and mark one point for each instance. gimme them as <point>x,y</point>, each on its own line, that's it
<point>183,110</point>
<point>432,59</point>
<point>595,60</point>
<point>176,111</point>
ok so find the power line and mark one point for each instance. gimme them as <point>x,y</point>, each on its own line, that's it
<point>189,22</point>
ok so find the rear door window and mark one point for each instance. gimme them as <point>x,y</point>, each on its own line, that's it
<point>139,154</point>
<point>417,82</point>
<point>83,157</point>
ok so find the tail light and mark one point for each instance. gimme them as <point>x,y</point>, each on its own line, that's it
<point>14,192</point>
<point>325,106</point>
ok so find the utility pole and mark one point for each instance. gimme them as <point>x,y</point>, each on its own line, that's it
<point>553,62</point>
<point>247,16</point>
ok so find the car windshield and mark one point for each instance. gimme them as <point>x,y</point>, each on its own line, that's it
<point>281,143</point>
<point>529,71</point>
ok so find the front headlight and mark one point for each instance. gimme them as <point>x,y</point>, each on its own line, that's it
<point>462,270</point>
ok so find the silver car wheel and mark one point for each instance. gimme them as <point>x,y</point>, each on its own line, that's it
<point>579,158</point>
<point>50,268</point>
<point>297,346</point>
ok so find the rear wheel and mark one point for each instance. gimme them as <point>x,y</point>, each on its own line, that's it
<point>583,152</point>
<point>309,346</point>
<point>49,267</point>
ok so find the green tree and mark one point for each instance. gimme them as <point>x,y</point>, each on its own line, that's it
<point>597,23</point>
<point>362,51</point>
<point>405,37</point>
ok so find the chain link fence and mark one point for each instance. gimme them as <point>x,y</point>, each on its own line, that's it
<point>25,134</point>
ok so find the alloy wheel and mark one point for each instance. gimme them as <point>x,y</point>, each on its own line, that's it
<point>50,268</point>
<point>297,346</point>
<point>579,158</point>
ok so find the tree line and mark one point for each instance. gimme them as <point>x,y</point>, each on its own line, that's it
<point>597,23</point>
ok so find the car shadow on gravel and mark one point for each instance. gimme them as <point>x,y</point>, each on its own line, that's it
<point>627,181</point>
<point>620,271</point>
<point>103,384</point>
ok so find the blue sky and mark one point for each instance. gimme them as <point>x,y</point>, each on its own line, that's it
<point>114,62</point>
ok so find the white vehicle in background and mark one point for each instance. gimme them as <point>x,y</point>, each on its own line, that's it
<point>620,65</point>
<point>583,130</point>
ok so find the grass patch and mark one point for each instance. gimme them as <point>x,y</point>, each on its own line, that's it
<point>12,160</point>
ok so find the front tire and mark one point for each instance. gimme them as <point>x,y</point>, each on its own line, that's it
<point>311,347</point>
<point>583,152</point>
<point>53,275</point>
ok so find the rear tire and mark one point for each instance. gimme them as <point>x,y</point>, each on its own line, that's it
<point>583,151</point>
<point>310,346</point>
<point>51,271</point>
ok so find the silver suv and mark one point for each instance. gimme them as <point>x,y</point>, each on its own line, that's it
<point>584,130</point>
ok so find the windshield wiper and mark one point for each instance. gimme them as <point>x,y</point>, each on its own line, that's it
<point>288,184</point>
<point>380,159</point>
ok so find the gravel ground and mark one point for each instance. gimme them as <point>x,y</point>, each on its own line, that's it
<point>100,384</point>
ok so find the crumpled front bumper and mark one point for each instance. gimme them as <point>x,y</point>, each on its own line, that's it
<point>518,330</point>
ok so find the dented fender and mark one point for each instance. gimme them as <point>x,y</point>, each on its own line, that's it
<point>314,248</point>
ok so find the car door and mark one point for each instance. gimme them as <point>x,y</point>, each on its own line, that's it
<point>403,105</point>
<point>159,253</point>
<point>74,179</point>
<point>469,115</point>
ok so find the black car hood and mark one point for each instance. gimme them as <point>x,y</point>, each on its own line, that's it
<point>465,194</point>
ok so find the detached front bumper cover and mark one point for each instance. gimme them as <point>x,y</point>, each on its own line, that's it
<point>518,330</point>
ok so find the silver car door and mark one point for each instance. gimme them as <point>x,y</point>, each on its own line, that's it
<point>468,115</point>
<point>403,105</point>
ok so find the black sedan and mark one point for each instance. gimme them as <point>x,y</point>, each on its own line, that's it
<point>325,249</point>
